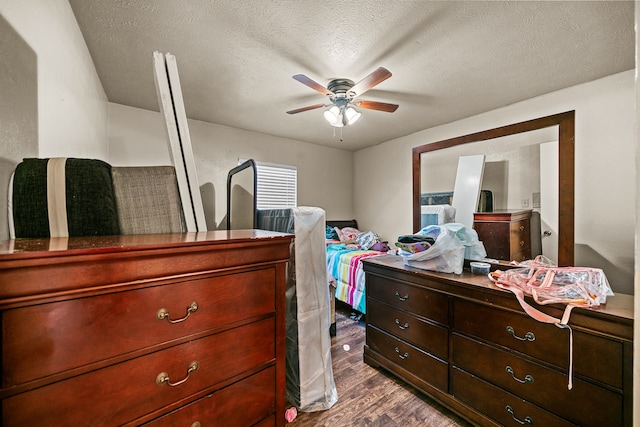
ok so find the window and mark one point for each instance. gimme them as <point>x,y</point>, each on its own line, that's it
<point>276,186</point>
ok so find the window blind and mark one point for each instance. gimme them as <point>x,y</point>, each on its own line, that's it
<point>276,186</point>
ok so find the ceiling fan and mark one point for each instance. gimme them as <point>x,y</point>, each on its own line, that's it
<point>342,95</point>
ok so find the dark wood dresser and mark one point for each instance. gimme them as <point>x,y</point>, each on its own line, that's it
<point>506,234</point>
<point>158,330</point>
<point>469,345</point>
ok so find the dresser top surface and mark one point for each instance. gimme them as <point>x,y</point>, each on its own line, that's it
<point>619,306</point>
<point>52,247</point>
<point>503,215</point>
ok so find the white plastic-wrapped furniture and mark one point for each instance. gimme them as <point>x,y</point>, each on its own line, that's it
<point>310,383</point>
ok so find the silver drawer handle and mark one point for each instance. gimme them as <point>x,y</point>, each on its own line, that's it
<point>163,313</point>
<point>402,356</point>
<point>527,337</point>
<point>196,424</point>
<point>403,327</point>
<point>527,378</point>
<point>527,419</point>
<point>163,377</point>
<point>402,298</point>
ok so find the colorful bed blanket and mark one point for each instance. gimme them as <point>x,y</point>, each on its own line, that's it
<point>344,266</point>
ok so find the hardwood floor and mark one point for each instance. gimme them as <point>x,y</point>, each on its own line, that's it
<point>368,396</point>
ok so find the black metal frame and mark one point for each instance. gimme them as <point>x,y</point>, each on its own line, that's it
<point>247,164</point>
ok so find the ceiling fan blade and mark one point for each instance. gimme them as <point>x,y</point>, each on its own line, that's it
<point>312,84</point>
<point>378,76</point>
<point>374,105</point>
<point>310,107</point>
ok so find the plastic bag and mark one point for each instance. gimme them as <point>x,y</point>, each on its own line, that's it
<point>547,284</point>
<point>446,255</point>
<point>473,247</point>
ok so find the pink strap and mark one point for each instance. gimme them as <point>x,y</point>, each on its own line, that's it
<point>545,318</point>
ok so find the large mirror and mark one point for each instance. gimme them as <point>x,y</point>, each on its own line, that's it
<point>547,139</point>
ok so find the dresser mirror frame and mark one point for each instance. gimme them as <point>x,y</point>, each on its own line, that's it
<point>565,125</point>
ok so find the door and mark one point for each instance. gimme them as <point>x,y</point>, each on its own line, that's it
<point>549,199</point>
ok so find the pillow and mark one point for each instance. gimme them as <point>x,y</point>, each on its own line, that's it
<point>90,202</point>
<point>367,239</point>
<point>347,234</point>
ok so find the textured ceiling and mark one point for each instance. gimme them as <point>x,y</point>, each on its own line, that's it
<point>449,60</point>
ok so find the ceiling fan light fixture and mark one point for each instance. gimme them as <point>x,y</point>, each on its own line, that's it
<point>352,115</point>
<point>333,116</point>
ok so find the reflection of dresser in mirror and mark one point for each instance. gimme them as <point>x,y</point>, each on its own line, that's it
<point>506,234</point>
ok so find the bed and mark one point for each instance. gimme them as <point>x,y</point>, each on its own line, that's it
<point>344,267</point>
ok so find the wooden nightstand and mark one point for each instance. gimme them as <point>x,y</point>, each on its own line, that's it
<point>506,234</point>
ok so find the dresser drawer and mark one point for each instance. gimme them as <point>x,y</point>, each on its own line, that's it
<point>520,234</point>
<point>506,234</point>
<point>595,357</point>
<point>522,255</point>
<point>503,407</point>
<point>126,391</point>
<point>423,365</point>
<point>431,338</point>
<point>45,339</point>
<point>496,238</point>
<point>244,403</point>
<point>540,385</point>
<point>426,303</point>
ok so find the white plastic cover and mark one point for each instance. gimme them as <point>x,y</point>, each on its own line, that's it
<point>310,382</point>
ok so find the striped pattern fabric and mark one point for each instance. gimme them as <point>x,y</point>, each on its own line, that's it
<point>63,197</point>
<point>345,267</point>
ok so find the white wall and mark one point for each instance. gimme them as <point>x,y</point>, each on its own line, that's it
<point>72,106</point>
<point>604,163</point>
<point>138,138</point>
<point>71,112</point>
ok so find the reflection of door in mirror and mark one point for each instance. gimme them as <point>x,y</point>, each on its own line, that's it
<point>241,200</point>
<point>549,199</point>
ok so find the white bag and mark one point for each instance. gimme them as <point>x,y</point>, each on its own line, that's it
<point>473,247</point>
<point>446,255</point>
